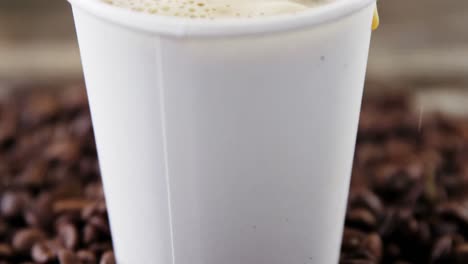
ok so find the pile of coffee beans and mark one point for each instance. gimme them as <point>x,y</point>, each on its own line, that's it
<point>52,208</point>
<point>408,201</point>
<point>409,193</point>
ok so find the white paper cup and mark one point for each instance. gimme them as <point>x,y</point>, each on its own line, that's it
<point>226,141</point>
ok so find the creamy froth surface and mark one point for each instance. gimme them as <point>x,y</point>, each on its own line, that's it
<point>212,9</point>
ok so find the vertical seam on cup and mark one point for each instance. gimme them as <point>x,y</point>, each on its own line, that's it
<point>162,105</point>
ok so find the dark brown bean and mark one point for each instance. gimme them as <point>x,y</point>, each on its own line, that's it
<point>362,218</point>
<point>86,257</point>
<point>13,203</point>
<point>24,239</point>
<point>352,239</point>
<point>363,197</point>
<point>63,151</point>
<point>33,175</point>
<point>373,244</point>
<point>90,234</point>
<point>42,253</point>
<point>100,247</point>
<point>67,257</point>
<point>40,108</point>
<point>441,249</point>
<point>5,251</point>
<point>68,235</point>
<point>461,254</point>
<point>70,205</point>
<point>39,213</point>
<point>96,209</point>
<point>107,258</point>
<point>100,224</point>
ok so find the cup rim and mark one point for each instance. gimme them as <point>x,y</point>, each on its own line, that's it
<point>185,27</point>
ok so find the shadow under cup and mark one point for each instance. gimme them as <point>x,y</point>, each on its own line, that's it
<point>227,142</point>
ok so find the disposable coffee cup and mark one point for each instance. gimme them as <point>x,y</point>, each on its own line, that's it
<point>227,141</point>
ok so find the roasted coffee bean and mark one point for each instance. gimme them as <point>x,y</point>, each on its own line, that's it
<point>68,235</point>
<point>81,126</point>
<point>100,224</point>
<point>100,247</point>
<point>107,258</point>
<point>373,243</point>
<point>67,257</point>
<point>40,108</point>
<point>363,197</point>
<point>74,99</point>
<point>13,203</point>
<point>5,251</point>
<point>361,218</point>
<point>97,208</point>
<point>42,253</point>
<point>39,212</point>
<point>33,175</point>
<point>4,228</point>
<point>442,249</point>
<point>89,167</point>
<point>94,191</point>
<point>86,257</point>
<point>90,234</point>
<point>24,239</point>
<point>453,210</point>
<point>461,254</point>
<point>352,239</point>
<point>62,151</point>
<point>70,206</point>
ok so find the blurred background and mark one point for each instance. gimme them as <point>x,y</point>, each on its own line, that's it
<point>420,43</point>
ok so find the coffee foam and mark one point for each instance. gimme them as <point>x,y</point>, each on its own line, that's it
<point>212,9</point>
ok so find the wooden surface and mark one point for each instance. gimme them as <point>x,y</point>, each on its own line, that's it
<point>419,41</point>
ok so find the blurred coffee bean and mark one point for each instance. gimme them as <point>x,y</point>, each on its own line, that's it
<point>40,108</point>
<point>361,218</point>
<point>97,208</point>
<point>461,254</point>
<point>42,253</point>
<point>442,249</point>
<point>107,258</point>
<point>68,235</point>
<point>33,175</point>
<point>66,256</point>
<point>13,203</point>
<point>100,224</point>
<point>39,213</point>
<point>373,243</point>
<point>74,99</point>
<point>94,191</point>
<point>100,247</point>
<point>5,251</point>
<point>365,198</point>
<point>90,234</point>
<point>25,238</point>
<point>453,210</point>
<point>70,205</point>
<point>86,257</point>
<point>62,151</point>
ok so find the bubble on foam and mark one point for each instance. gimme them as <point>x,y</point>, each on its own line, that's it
<point>216,8</point>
